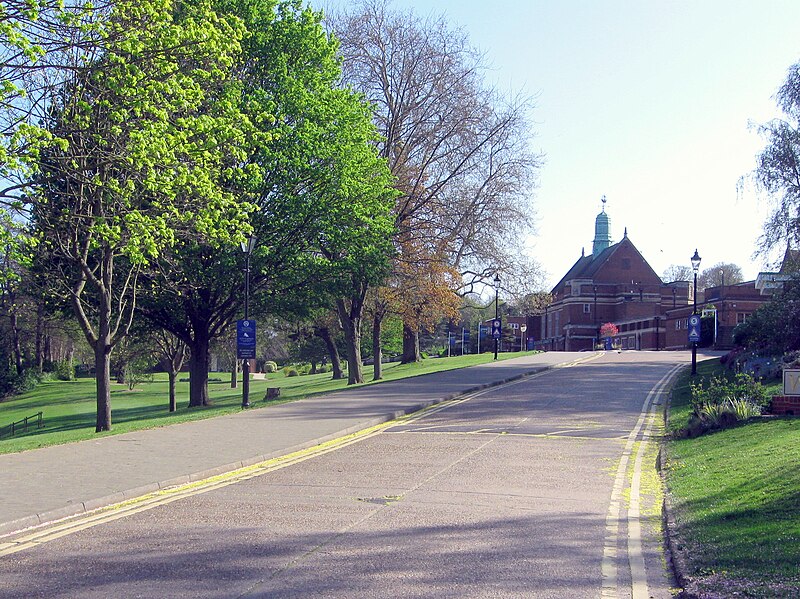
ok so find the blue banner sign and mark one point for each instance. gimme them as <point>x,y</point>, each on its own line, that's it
<point>694,328</point>
<point>245,339</point>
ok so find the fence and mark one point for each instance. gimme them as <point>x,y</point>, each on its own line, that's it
<point>21,426</point>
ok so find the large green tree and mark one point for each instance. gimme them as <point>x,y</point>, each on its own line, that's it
<point>320,190</point>
<point>142,124</point>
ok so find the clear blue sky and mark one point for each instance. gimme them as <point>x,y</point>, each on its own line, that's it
<point>646,102</point>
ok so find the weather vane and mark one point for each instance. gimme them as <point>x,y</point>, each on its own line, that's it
<point>604,200</point>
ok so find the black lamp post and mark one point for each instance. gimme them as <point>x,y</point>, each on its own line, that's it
<point>596,327</point>
<point>247,248</point>
<point>695,267</point>
<point>497,310</point>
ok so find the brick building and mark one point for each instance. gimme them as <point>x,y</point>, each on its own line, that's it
<point>613,284</point>
<point>616,284</point>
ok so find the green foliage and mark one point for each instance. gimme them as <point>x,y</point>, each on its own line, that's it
<point>718,389</point>
<point>775,327</point>
<point>64,370</point>
<point>291,371</point>
<point>720,401</point>
<point>270,367</point>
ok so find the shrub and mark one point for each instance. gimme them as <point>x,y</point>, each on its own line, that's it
<point>722,402</point>
<point>64,371</point>
<point>26,381</point>
<point>270,367</point>
<point>290,371</point>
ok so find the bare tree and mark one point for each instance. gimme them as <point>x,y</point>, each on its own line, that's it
<point>457,149</point>
<point>677,272</point>
<point>722,272</point>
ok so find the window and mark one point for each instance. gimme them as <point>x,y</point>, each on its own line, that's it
<point>677,325</point>
<point>513,325</point>
<point>741,317</point>
<point>587,308</point>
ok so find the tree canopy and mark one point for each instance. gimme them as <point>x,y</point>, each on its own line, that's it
<point>778,169</point>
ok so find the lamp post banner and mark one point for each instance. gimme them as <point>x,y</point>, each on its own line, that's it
<point>694,328</point>
<point>497,328</point>
<point>245,339</point>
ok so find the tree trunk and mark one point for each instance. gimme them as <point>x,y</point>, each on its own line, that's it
<point>39,343</point>
<point>324,333</point>
<point>102,368</point>
<point>410,345</point>
<point>15,340</point>
<point>351,323</point>
<point>198,372</point>
<point>234,373</point>
<point>172,379</point>
<point>377,356</point>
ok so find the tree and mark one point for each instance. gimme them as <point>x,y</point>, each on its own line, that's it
<point>775,326</point>
<point>139,125</point>
<point>778,168</point>
<point>171,353</point>
<point>721,272</point>
<point>677,272</point>
<point>456,149</point>
<point>319,188</point>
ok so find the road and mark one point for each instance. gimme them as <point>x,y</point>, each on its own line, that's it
<point>538,488</point>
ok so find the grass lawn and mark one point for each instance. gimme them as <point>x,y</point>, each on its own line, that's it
<point>69,407</point>
<point>736,502</point>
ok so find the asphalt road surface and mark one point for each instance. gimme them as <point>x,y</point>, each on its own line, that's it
<point>534,489</point>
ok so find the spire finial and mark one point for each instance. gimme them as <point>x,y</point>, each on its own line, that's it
<point>626,232</point>
<point>604,200</point>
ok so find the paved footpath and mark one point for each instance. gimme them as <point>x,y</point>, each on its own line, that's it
<point>46,484</point>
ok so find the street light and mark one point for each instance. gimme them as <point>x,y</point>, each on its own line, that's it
<point>247,248</point>
<point>695,267</point>
<point>496,310</point>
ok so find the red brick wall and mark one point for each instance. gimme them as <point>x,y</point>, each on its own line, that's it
<point>785,405</point>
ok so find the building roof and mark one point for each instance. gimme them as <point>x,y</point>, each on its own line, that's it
<point>587,266</point>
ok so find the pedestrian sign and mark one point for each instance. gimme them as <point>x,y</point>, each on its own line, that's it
<point>694,328</point>
<point>497,328</point>
<point>245,339</point>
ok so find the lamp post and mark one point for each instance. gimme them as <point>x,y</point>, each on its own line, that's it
<point>596,328</point>
<point>247,248</point>
<point>496,310</point>
<point>695,267</point>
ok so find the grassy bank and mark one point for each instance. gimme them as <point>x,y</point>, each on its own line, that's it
<point>69,407</point>
<point>735,498</point>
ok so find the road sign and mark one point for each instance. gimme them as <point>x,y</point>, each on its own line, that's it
<point>694,328</point>
<point>791,381</point>
<point>497,328</point>
<point>245,339</point>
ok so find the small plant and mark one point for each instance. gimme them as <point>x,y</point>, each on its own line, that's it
<point>720,402</point>
<point>290,371</point>
<point>270,367</point>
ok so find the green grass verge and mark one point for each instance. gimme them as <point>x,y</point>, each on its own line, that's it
<point>69,407</point>
<point>736,502</point>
